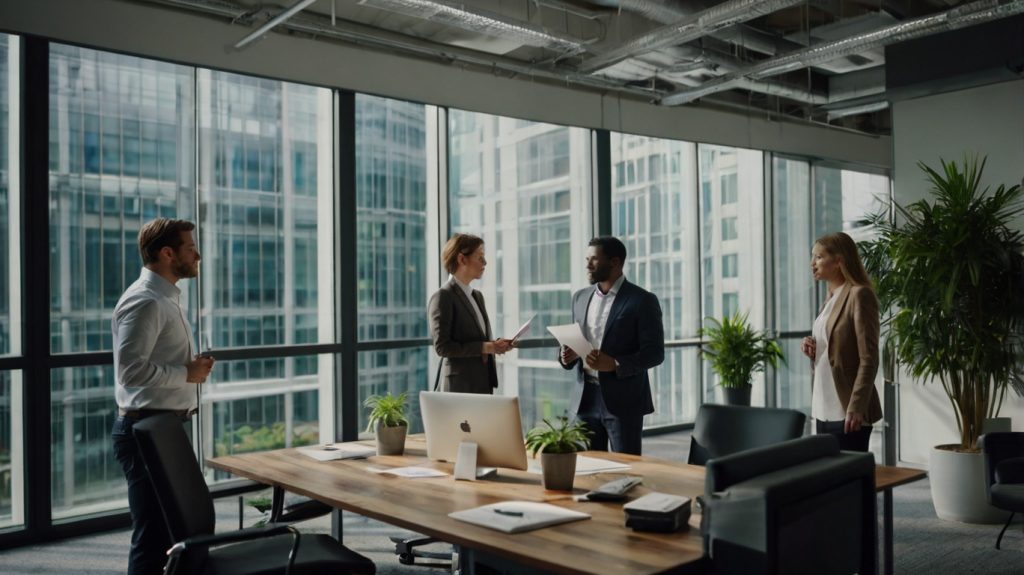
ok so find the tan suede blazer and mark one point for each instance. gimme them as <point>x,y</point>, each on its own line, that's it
<point>853,328</point>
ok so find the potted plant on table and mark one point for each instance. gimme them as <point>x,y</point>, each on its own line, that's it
<point>557,445</point>
<point>737,351</point>
<point>387,420</point>
<point>951,271</point>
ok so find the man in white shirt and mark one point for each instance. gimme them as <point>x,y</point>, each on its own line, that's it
<point>156,370</point>
<point>622,321</point>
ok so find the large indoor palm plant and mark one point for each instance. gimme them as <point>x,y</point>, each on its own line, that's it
<point>951,272</point>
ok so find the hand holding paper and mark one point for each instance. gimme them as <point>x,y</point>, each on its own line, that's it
<point>571,337</point>
<point>523,329</point>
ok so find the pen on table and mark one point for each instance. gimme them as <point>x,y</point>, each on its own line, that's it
<point>509,513</point>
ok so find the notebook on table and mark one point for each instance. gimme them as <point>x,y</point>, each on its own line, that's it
<point>518,516</point>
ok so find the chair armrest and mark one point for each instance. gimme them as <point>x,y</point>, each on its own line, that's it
<point>235,536</point>
<point>1010,471</point>
<point>203,541</point>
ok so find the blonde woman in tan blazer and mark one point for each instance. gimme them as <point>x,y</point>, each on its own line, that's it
<point>843,347</point>
<point>459,324</point>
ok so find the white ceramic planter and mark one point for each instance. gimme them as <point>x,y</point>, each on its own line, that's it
<point>958,487</point>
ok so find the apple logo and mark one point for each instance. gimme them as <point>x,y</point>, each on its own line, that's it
<point>464,426</point>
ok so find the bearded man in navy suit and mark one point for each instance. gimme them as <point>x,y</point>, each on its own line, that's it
<point>622,321</point>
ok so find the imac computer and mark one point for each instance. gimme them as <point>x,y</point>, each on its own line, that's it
<point>453,422</point>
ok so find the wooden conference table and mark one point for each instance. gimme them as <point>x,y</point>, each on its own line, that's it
<point>601,544</point>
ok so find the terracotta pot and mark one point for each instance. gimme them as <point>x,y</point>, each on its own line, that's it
<point>559,470</point>
<point>391,440</point>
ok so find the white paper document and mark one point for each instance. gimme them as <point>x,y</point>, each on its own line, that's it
<point>585,466</point>
<point>333,451</point>
<point>571,337</point>
<point>523,328</point>
<point>412,472</point>
<point>518,516</point>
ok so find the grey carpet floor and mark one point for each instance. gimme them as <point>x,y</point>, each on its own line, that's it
<point>923,543</point>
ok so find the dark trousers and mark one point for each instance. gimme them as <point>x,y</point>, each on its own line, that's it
<point>150,538</point>
<point>855,441</point>
<point>625,434</point>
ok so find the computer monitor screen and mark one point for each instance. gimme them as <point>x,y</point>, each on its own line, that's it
<point>490,421</point>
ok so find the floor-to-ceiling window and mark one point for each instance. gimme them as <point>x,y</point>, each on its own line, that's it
<point>11,456</point>
<point>811,199</point>
<point>794,287</point>
<point>125,137</point>
<point>122,151</point>
<point>392,155</point>
<point>525,188</point>
<point>732,242</point>
<point>266,231</point>
<point>654,213</point>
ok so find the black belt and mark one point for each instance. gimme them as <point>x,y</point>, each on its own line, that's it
<point>138,414</point>
<point>591,380</point>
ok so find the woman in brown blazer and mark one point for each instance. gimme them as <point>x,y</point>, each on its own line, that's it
<point>843,347</point>
<point>459,324</point>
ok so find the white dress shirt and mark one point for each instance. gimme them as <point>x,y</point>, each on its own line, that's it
<point>152,345</point>
<point>472,301</point>
<point>825,404</point>
<point>598,309</point>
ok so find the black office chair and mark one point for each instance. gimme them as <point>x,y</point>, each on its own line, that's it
<point>1004,472</point>
<point>800,506</point>
<point>727,429</point>
<point>188,511</point>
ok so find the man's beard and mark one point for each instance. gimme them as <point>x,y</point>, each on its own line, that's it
<point>184,270</point>
<point>599,274</point>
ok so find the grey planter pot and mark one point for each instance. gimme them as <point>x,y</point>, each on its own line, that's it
<point>559,470</point>
<point>391,440</point>
<point>736,395</point>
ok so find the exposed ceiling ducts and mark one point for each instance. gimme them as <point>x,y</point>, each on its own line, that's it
<point>816,60</point>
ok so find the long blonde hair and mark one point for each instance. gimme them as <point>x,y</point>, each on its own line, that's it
<point>840,245</point>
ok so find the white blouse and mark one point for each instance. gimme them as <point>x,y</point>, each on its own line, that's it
<point>825,404</point>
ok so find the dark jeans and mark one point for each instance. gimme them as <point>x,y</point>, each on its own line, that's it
<point>625,434</point>
<point>856,441</point>
<point>150,538</point>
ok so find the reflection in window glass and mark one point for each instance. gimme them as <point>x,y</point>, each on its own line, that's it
<point>391,202</point>
<point>12,486</point>
<point>676,387</point>
<point>844,198</point>
<point>278,408</point>
<point>121,153</point>
<point>794,286</point>
<point>394,371</point>
<point>9,232</point>
<point>85,476</point>
<point>524,187</point>
<point>655,216</point>
<point>732,190</point>
<point>265,153</point>
<point>265,171</point>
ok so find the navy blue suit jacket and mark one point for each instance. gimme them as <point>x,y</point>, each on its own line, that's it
<point>635,338</point>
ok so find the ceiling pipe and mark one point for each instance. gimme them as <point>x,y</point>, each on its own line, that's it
<point>966,15</point>
<point>481,22</point>
<point>295,9</point>
<point>359,34</point>
<point>741,35</point>
<point>687,29</point>
<point>855,110</point>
